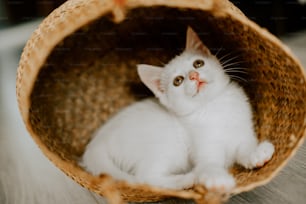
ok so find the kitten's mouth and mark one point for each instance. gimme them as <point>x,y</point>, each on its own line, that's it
<point>199,86</point>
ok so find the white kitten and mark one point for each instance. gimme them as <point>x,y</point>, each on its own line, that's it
<point>204,126</point>
<point>214,111</point>
<point>142,144</point>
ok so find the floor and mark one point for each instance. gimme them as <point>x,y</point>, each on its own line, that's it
<point>17,150</point>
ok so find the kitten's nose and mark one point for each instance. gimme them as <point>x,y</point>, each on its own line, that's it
<point>193,75</point>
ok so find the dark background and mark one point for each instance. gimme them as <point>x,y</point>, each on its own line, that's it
<point>278,16</point>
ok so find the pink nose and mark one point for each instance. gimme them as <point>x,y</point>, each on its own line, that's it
<point>193,75</point>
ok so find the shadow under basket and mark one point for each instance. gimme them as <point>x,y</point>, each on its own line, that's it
<point>79,68</point>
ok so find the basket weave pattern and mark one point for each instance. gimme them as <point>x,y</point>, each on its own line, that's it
<point>79,68</point>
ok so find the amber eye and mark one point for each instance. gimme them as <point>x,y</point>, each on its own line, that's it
<point>178,80</point>
<point>198,63</point>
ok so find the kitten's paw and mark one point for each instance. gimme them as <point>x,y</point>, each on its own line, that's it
<point>262,155</point>
<point>218,182</point>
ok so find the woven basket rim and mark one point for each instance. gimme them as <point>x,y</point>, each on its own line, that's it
<point>66,24</point>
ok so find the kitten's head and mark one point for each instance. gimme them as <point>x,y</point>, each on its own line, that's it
<point>187,81</point>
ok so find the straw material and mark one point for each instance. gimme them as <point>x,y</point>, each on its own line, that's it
<point>79,68</point>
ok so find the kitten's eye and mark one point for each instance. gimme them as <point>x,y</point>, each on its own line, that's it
<point>178,80</point>
<point>198,63</point>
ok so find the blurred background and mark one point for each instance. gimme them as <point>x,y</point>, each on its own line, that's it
<point>19,18</point>
<point>279,16</point>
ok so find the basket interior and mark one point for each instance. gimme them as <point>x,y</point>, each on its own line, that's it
<point>91,75</point>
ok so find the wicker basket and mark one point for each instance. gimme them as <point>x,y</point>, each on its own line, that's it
<point>79,68</point>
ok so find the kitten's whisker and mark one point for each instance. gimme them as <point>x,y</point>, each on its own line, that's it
<point>224,56</point>
<point>241,80</point>
<point>228,60</point>
<point>236,68</point>
<point>218,51</point>
<point>230,54</point>
<point>238,78</point>
<point>232,64</point>
<point>235,71</point>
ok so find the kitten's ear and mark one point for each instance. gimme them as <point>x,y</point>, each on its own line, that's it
<point>150,76</point>
<point>194,43</point>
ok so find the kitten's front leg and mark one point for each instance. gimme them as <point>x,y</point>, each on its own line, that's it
<point>211,168</point>
<point>254,155</point>
<point>216,178</point>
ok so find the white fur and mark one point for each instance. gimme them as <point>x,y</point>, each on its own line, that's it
<point>142,144</point>
<point>218,120</point>
<point>204,128</point>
